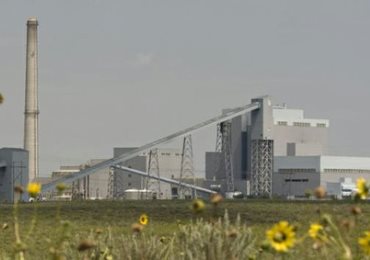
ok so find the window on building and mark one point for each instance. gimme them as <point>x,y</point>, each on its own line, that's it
<point>298,170</point>
<point>349,171</point>
<point>296,180</point>
<point>301,124</point>
<point>321,125</point>
<point>282,123</point>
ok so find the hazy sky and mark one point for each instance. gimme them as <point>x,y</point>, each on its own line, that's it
<point>123,73</point>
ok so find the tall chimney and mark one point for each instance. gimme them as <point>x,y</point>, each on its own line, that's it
<point>31,143</point>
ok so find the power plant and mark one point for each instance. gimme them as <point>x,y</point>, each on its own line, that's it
<point>262,150</point>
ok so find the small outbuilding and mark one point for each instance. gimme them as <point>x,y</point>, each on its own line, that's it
<point>13,172</point>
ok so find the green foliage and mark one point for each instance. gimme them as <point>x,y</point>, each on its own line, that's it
<point>102,229</point>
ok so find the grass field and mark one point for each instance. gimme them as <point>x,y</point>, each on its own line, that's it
<point>114,219</point>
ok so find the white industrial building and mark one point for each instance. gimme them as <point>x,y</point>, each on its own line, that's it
<point>93,187</point>
<point>302,162</point>
<point>295,135</point>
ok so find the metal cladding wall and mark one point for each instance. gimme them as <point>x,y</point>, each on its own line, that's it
<point>98,182</point>
<point>215,167</point>
<point>13,172</point>
<point>309,140</point>
<point>294,184</point>
<point>124,181</point>
<point>293,175</point>
<point>31,106</point>
<point>261,120</point>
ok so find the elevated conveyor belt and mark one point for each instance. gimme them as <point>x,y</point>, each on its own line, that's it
<point>124,157</point>
<point>166,180</point>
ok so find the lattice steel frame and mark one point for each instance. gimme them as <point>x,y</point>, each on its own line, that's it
<point>262,167</point>
<point>111,183</point>
<point>225,129</point>
<point>187,168</point>
<point>153,170</point>
<point>118,183</point>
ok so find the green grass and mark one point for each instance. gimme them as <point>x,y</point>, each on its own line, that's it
<point>117,216</point>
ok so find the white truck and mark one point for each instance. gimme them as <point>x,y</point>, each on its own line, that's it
<point>342,189</point>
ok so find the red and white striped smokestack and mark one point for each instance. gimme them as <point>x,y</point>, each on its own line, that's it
<point>31,107</point>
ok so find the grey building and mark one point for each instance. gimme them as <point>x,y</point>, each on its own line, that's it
<point>169,164</point>
<point>291,133</point>
<point>296,175</point>
<point>123,180</point>
<point>94,186</point>
<point>13,172</point>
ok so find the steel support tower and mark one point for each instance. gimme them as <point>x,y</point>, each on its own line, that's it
<point>262,167</point>
<point>262,148</point>
<point>153,170</point>
<point>227,155</point>
<point>187,168</point>
<point>111,183</point>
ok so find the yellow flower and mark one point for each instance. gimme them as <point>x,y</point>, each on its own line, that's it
<point>316,231</point>
<point>362,188</point>
<point>281,236</point>
<point>137,228</point>
<point>320,192</point>
<point>216,199</point>
<point>61,187</point>
<point>33,189</point>
<point>144,219</point>
<point>364,242</point>
<point>198,205</point>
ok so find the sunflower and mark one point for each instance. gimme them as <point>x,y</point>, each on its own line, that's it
<point>144,219</point>
<point>33,189</point>
<point>61,187</point>
<point>364,242</point>
<point>137,228</point>
<point>216,198</point>
<point>281,236</point>
<point>198,205</point>
<point>316,231</point>
<point>362,188</point>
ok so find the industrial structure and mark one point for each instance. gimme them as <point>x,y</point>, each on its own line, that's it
<point>31,113</point>
<point>256,141</point>
<point>13,173</point>
<point>183,133</point>
<point>297,176</point>
<point>261,150</point>
<point>158,162</point>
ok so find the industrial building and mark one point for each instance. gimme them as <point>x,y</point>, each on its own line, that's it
<point>93,187</point>
<point>262,150</point>
<point>164,162</point>
<point>297,175</point>
<point>13,172</point>
<point>291,134</point>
